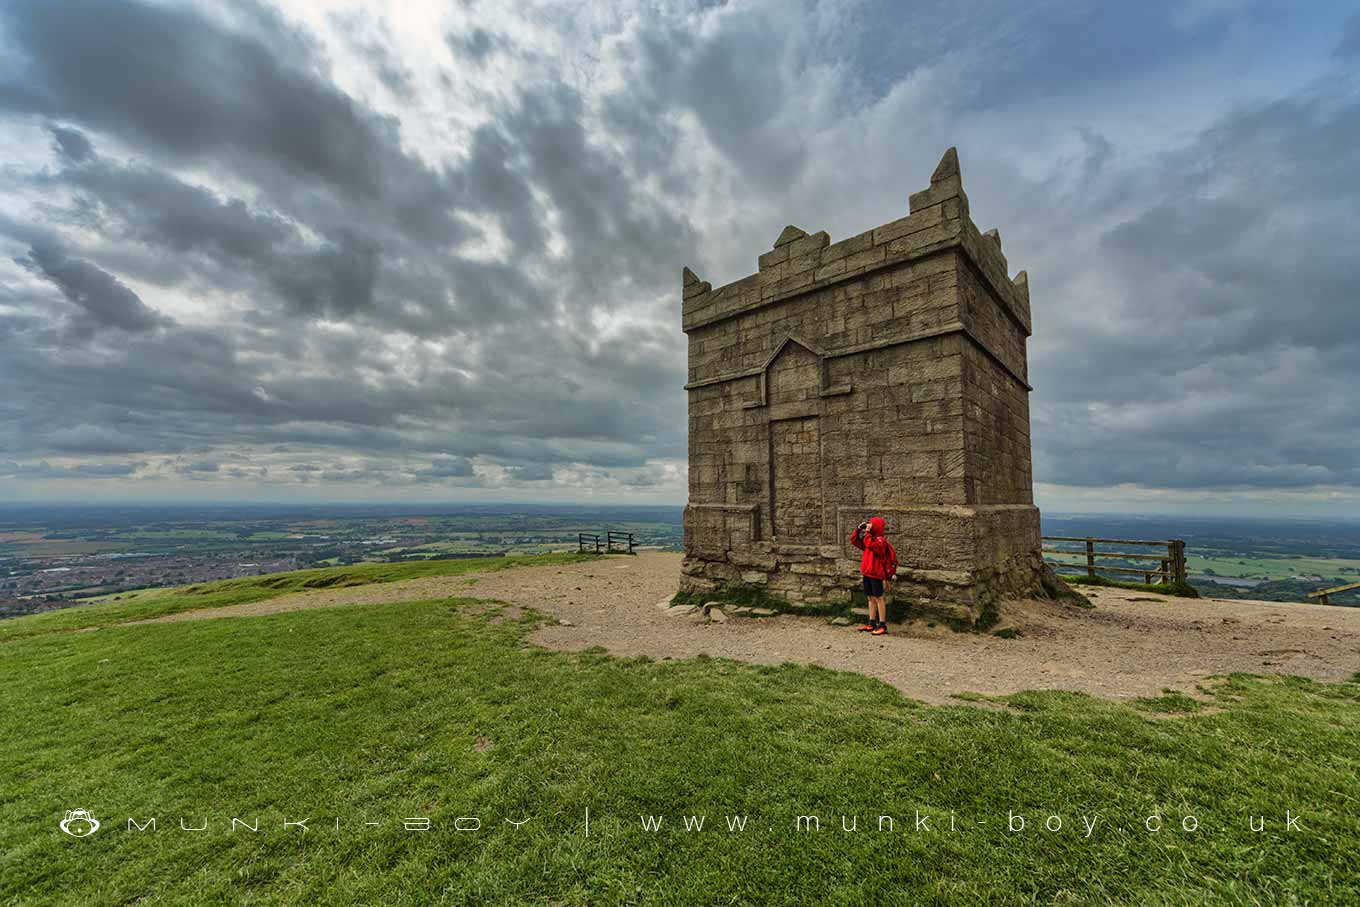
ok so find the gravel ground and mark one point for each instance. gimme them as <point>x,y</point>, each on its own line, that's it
<point>1132,644</point>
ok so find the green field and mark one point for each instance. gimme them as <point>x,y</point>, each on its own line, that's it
<point>440,710</point>
<point>1272,567</point>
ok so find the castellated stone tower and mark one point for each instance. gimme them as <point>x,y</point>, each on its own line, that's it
<point>884,374</point>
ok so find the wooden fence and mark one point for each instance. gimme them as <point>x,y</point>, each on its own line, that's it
<point>1170,566</point>
<point>618,542</point>
<point>610,543</point>
<point>1321,594</point>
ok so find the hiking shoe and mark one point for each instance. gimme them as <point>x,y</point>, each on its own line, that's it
<point>880,630</point>
<point>865,628</point>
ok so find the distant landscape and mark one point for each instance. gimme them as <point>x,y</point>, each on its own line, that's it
<point>55,557</point>
<point>59,556</point>
<point>1263,560</point>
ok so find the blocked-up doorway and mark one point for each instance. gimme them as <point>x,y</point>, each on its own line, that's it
<point>795,480</point>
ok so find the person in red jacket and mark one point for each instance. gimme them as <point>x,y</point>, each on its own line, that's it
<point>871,538</point>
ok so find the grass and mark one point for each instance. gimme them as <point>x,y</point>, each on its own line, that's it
<point>148,603</point>
<point>1169,702</point>
<point>1181,590</point>
<point>438,709</point>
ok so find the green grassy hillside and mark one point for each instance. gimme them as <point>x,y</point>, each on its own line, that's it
<point>440,710</point>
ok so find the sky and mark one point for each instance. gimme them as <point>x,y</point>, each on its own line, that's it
<point>417,251</point>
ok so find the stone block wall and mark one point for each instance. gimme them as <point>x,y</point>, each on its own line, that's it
<point>884,374</point>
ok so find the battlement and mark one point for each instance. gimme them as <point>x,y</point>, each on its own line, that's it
<point>801,263</point>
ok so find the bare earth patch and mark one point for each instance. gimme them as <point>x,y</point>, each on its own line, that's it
<point>1132,644</point>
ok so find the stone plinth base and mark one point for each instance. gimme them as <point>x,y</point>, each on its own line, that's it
<point>957,562</point>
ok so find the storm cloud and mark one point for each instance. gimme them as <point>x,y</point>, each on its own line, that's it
<point>379,251</point>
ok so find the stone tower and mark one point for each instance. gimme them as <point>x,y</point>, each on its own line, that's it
<point>883,374</point>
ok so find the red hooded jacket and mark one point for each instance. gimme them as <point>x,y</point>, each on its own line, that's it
<point>874,562</point>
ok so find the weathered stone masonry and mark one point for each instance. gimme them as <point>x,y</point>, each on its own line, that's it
<point>883,374</point>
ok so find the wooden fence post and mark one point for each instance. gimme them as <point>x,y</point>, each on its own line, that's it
<point>1090,557</point>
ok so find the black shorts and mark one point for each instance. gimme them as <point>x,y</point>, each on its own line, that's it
<point>873,587</point>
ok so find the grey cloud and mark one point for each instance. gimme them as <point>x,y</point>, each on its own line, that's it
<point>370,39</point>
<point>153,207</point>
<point>1229,353</point>
<point>71,143</point>
<point>87,438</point>
<point>1202,339</point>
<point>618,240</point>
<point>238,244</point>
<point>105,300</point>
<point>447,468</point>
<point>371,473</point>
<point>186,386</point>
<point>476,44</point>
<point>45,470</point>
<point>1348,48</point>
<point>248,98</point>
<point>156,84</point>
<point>644,478</point>
<point>735,79</point>
<point>545,390</point>
<point>532,472</point>
<point>629,238</point>
<point>337,281</point>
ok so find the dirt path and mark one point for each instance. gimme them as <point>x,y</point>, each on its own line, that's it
<point>1132,644</point>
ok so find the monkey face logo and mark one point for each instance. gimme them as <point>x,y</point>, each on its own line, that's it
<point>79,823</point>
